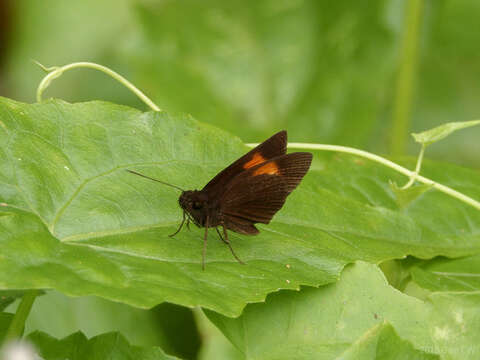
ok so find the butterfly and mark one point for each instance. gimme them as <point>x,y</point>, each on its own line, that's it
<point>250,190</point>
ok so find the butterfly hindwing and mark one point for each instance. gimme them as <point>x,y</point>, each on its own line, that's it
<point>274,146</point>
<point>259,192</point>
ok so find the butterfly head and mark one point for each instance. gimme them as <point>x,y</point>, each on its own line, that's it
<point>194,202</point>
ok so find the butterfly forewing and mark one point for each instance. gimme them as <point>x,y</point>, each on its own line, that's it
<point>259,192</point>
<point>274,146</point>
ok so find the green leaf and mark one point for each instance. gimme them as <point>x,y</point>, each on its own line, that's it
<point>348,320</point>
<point>443,274</point>
<point>357,204</point>
<point>327,322</point>
<point>454,325</point>
<point>382,342</point>
<point>106,346</point>
<point>440,132</point>
<point>76,221</point>
<point>405,196</point>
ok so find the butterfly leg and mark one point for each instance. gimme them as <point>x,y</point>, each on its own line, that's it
<point>180,227</point>
<point>227,241</point>
<point>204,251</point>
<point>188,224</point>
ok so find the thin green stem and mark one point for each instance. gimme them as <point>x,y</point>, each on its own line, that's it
<point>417,168</point>
<point>55,72</point>
<point>406,74</point>
<point>365,154</point>
<point>15,330</point>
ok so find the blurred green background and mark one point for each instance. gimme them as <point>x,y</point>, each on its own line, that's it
<point>325,71</point>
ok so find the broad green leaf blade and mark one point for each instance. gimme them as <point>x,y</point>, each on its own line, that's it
<point>343,319</point>
<point>359,212</point>
<point>382,343</point>
<point>106,346</point>
<point>73,219</point>
<point>329,321</point>
<point>449,274</point>
<point>440,132</point>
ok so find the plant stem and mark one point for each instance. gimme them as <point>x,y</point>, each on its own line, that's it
<point>55,72</point>
<point>15,330</point>
<point>445,189</point>
<point>406,74</point>
<point>417,168</point>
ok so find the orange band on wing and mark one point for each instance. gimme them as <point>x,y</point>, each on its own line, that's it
<point>270,169</point>
<point>256,159</point>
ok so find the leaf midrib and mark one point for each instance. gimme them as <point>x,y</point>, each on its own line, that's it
<point>62,209</point>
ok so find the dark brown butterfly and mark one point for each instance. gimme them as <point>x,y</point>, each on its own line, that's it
<point>249,191</point>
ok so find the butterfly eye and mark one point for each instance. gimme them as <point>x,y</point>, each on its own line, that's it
<point>197,205</point>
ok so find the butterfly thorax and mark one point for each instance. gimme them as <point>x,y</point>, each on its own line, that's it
<point>196,204</point>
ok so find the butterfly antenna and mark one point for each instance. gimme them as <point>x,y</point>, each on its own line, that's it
<point>161,182</point>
